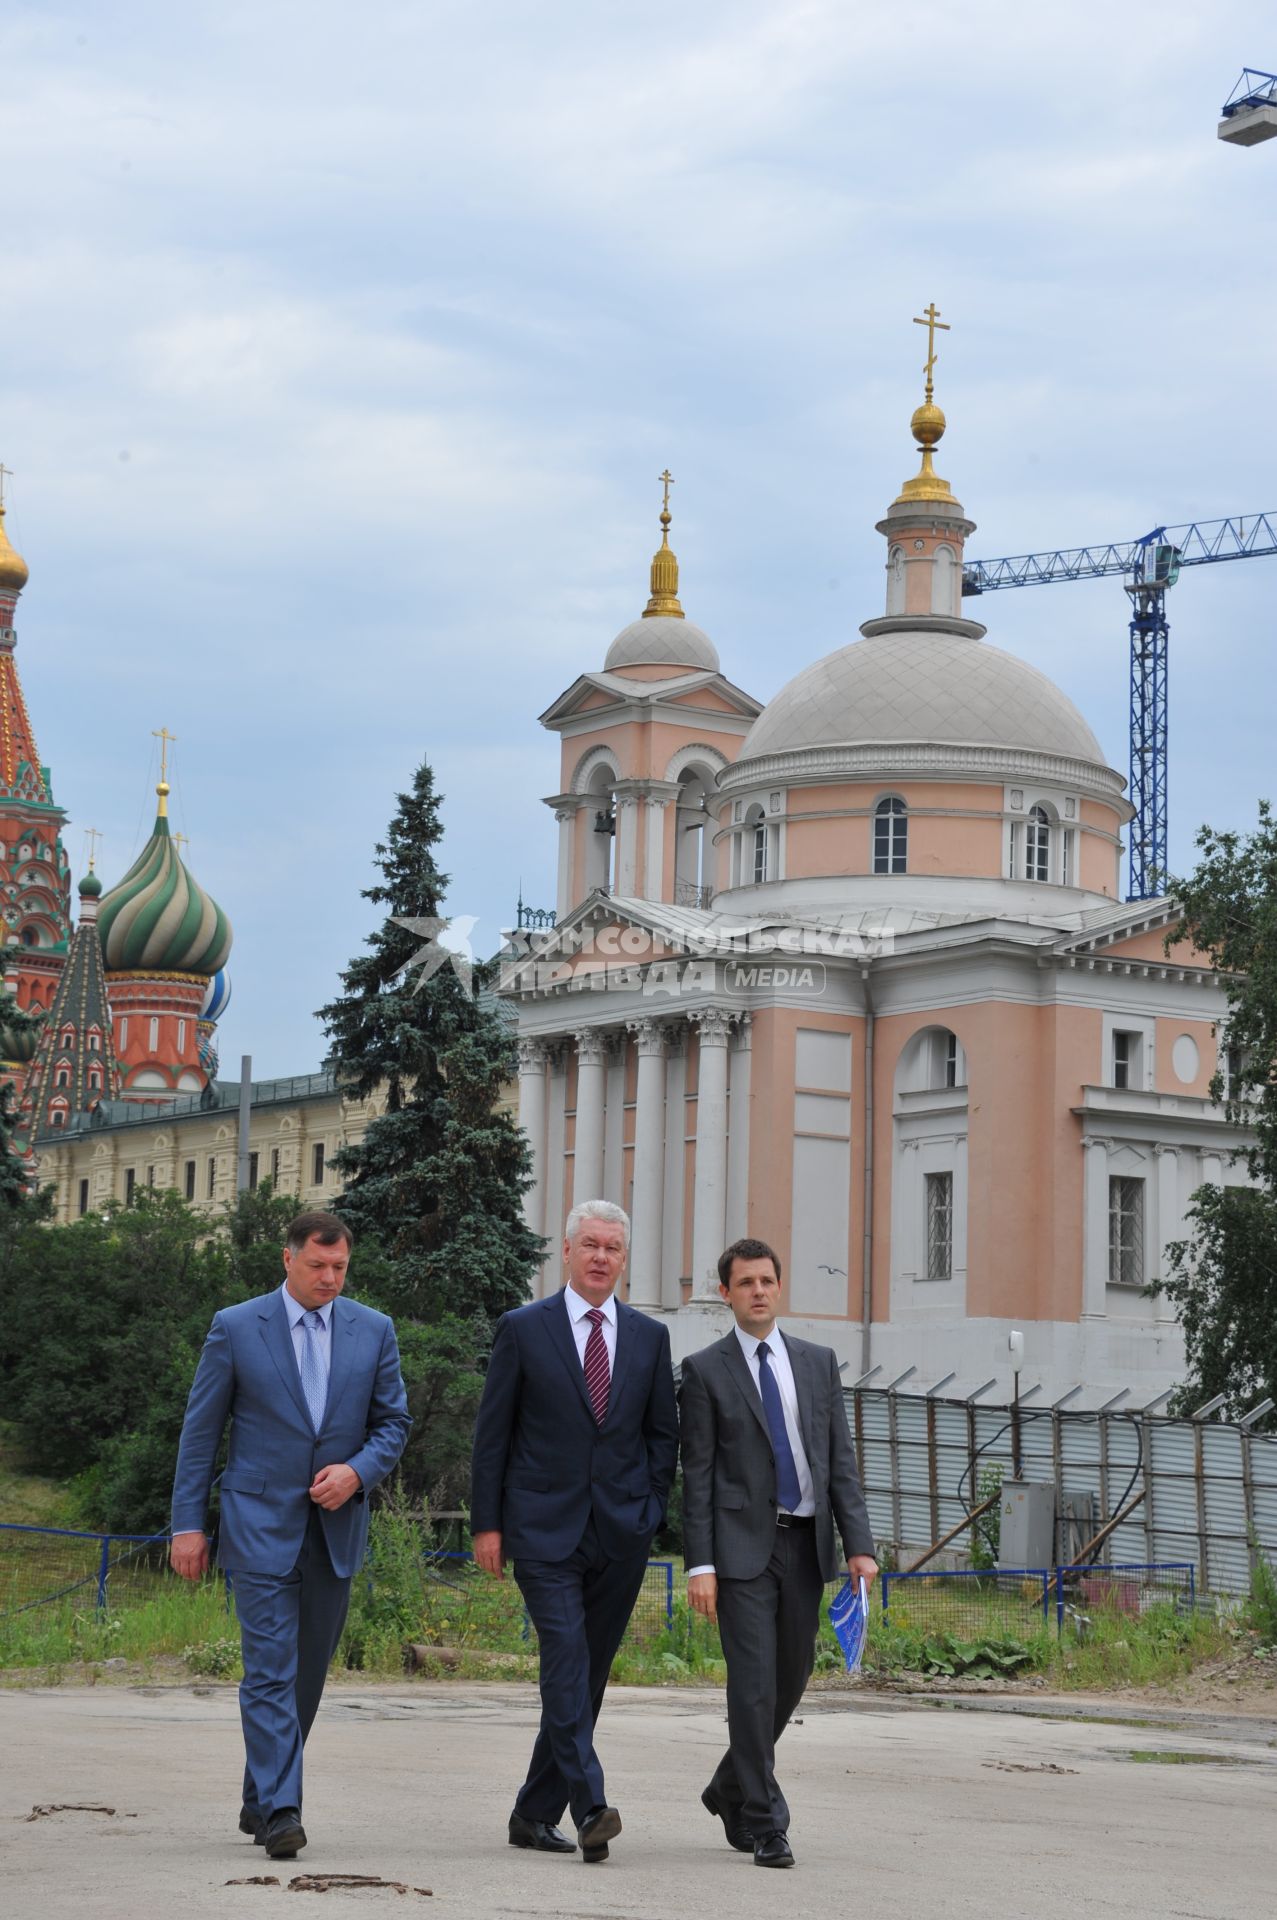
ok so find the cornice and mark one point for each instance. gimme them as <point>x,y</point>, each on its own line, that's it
<point>925,760</point>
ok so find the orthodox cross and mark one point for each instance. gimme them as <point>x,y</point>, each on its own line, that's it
<point>166,740</point>
<point>181,840</point>
<point>6,473</point>
<point>930,319</point>
<point>92,835</point>
<point>667,481</point>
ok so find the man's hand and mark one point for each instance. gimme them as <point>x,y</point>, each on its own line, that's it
<point>863,1566</point>
<point>188,1555</point>
<point>333,1486</point>
<point>702,1591</point>
<point>487,1552</point>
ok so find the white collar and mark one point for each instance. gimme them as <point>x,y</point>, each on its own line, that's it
<point>750,1343</point>
<point>578,1308</point>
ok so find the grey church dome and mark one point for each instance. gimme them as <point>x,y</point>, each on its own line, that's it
<point>937,686</point>
<point>662,640</point>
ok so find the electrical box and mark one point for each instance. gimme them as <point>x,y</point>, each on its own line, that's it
<point>1027,1535</point>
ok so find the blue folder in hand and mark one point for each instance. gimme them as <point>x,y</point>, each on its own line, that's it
<point>849,1618</point>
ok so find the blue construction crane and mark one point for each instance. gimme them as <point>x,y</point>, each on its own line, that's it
<point>1150,566</point>
<point>1250,111</point>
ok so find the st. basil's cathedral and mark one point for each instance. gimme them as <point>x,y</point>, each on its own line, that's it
<point>121,1002</point>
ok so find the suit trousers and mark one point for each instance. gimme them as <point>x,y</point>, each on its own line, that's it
<point>289,1628</point>
<point>580,1608</point>
<point>768,1629</point>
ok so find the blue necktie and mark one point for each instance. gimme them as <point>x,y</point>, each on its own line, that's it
<point>788,1491</point>
<point>314,1378</point>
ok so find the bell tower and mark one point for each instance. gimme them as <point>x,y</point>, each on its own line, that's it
<point>643,744</point>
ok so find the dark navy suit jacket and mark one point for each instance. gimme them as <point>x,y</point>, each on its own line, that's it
<point>248,1373</point>
<point>541,1466</point>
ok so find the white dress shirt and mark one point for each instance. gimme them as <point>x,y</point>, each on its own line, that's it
<point>296,1313</point>
<point>577,1310</point>
<point>783,1374</point>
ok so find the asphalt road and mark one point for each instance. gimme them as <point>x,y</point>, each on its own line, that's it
<point>899,1809</point>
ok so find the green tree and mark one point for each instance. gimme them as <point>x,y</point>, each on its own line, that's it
<point>437,1180</point>
<point>13,1177</point>
<point>101,1324</point>
<point>1223,1276</point>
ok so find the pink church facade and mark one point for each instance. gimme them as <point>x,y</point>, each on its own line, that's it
<point>852,972</point>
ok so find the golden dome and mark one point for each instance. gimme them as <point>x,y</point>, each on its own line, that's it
<point>13,568</point>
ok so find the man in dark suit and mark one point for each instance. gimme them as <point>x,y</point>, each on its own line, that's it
<point>574,1451</point>
<point>311,1386</point>
<point>768,1470</point>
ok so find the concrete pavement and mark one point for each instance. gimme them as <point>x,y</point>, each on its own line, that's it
<point>897,1807</point>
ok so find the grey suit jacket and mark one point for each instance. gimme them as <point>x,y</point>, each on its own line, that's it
<point>729,1469</point>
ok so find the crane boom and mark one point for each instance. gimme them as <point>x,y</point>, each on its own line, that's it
<point>1240,537</point>
<point>1148,566</point>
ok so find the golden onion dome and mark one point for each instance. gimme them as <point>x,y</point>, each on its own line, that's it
<point>14,572</point>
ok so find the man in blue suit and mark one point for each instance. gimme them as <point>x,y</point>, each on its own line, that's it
<point>574,1451</point>
<point>311,1386</point>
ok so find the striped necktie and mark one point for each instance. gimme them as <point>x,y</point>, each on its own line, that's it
<point>598,1375</point>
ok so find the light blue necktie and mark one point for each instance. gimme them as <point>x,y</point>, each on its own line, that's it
<point>314,1377</point>
<point>788,1491</point>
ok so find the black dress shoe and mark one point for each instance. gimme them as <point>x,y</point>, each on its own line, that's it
<point>285,1835</point>
<point>600,1825</point>
<point>772,1850</point>
<point>738,1834</point>
<point>540,1835</point>
<point>251,1821</point>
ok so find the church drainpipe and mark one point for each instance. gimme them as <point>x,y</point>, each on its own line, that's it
<point>866,1284</point>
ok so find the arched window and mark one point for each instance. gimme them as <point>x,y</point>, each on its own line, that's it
<point>942,582</point>
<point>1037,845</point>
<point>62,1078</point>
<point>95,1080</point>
<point>760,852</point>
<point>57,1118</point>
<point>93,1040</point>
<point>891,836</point>
<point>896,581</point>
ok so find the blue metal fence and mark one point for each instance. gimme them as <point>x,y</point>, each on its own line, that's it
<point>39,1565</point>
<point>1008,1597</point>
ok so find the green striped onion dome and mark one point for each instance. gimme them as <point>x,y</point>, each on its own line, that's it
<point>158,919</point>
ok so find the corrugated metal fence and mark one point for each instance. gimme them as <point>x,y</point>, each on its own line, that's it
<point>1206,1487</point>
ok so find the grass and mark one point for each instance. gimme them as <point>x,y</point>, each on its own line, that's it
<point>469,1626</point>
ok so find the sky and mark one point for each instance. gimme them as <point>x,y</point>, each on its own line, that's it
<point>340,350</point>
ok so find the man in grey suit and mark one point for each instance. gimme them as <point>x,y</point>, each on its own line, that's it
<point>318,1416</point>
<point>769,1469</point>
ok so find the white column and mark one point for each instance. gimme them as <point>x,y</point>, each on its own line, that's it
<point>587,1170</point>
<point>649,1165</point>
<point>566,817</point>
<point>654,851</point>
<point>532,1121</point>
<point>709,1218</point>
<point>674,1183</point>
<point>1095,1228</point>
<point>738,1134</point>
<point>1170,1225</point>
<point>627,816</point>
<point>555,1165</point>
<point>613,1187</point>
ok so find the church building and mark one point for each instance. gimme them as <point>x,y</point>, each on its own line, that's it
<point>852,972</point>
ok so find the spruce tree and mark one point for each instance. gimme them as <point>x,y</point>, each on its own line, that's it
<point>437,1180</point>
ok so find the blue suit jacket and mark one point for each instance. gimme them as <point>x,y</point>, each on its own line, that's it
<point>542,1467</point>
<point>248,1373</point>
